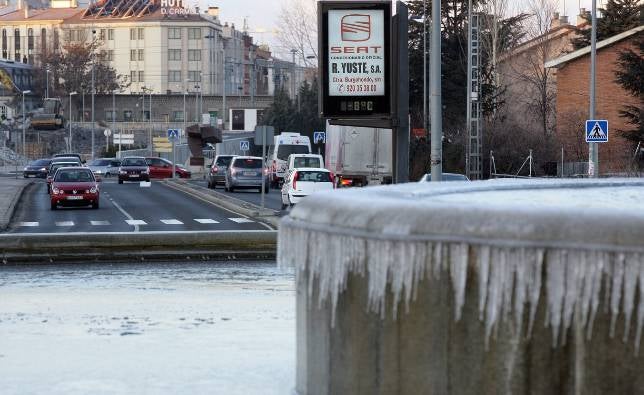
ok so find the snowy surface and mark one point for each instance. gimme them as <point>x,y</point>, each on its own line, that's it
<point>202,328</point>
<point>587,236</point>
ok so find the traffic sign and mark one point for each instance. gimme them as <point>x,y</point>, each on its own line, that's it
<point>107,133</point>
<point>244,145</point>
<point>319,137</point>
<point>173,134</point>
<point>121,138</point>
<point>161,144</point>
<point>596,131</point>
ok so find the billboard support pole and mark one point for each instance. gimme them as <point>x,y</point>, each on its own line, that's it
<point>400,78</point>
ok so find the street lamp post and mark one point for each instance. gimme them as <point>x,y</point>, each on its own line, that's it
<point>24,123</point>
<point>70,120</point>
<point>593,148</point>
<point>293,52</point>
<point>436,101</point>
<point>93,94</point>
<point>47,83</point>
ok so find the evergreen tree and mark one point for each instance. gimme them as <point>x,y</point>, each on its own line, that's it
<point>281,114</point>
<point>630,75</point>
<point>618,16</point>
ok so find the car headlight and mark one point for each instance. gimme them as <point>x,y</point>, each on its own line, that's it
<point>43,169</point>
<point>146,171</point>
<point>122,172</point>
<point>93,190</point>
<point>25,169</point>
<point>56,191</point>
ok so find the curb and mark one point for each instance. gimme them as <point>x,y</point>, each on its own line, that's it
<point>229,203</point>
<point>45,248</point>
<point>6,219</point>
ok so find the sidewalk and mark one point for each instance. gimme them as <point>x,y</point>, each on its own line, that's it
<point>10,191</point>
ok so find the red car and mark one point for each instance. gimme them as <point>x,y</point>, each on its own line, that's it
<point>74,186</point>
<point>162,168</point>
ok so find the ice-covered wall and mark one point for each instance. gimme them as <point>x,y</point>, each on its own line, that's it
<point>565,247</point>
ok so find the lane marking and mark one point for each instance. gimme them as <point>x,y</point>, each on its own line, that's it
<point>99,223</point>
<point>136,227</point>
<point>135,222</point>
<point>65,223</point>
<point>206,221</point>
<point>29,224</point>
<point>172,222</point>
<point>241,220</point>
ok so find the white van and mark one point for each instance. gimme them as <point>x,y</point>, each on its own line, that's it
<point>285,145</point>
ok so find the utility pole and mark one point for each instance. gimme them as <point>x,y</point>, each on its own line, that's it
<point>593,148</point>
<point>425,119</point>
<point>436,102</point>
<point>93,94</point>
<point>293,52</point>
<point>185,89</point>
<point>223,106</point>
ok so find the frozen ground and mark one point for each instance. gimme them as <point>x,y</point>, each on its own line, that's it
<point>192,328</point>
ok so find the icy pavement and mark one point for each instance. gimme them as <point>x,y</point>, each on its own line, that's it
<point>192,328</point>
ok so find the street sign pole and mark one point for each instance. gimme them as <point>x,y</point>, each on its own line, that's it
<point>436,98</point>
<point>593,148</point>
<point>174,159</point>
<point>263,162</point>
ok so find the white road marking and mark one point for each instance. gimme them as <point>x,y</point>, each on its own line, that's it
<point>29,224</point>
<point>206,221</point>
<point>136,227</point>
<point>135,222</point>
<point>242,220</point>
<point>145,184</point>
<point>65,223</point>
<point>172,222</point>
<point>99,223</point>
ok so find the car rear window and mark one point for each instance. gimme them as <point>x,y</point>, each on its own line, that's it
<point>306,162</point>
<point>247,163</point>
<point>134,162</point>
<point>284,150</point>
<point>100,162</point>
<point>57,166</point>
<point>314,176</point>
<point>76,175</point>
<point>223,160</point>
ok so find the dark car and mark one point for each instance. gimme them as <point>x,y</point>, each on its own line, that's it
<point>134,168</point>
<point>54,167</point>
<point>37,168</point>
<point>74,186</point>
<point>69,155</point>
<point>246,172</point>
<point>217,174</point>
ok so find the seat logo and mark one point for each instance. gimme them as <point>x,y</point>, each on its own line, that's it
<point>74,191</point>
<point>356,27</point>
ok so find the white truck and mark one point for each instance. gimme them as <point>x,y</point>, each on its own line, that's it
<point>359,156</point>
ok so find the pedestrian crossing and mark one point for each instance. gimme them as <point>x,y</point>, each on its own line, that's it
<point>138,222</point>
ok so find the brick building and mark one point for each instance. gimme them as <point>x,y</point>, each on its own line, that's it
<point>572,103</point>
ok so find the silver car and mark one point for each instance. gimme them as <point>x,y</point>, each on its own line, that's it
<point>217,173</point>
<point>246,172</point>
<point>105,167</point>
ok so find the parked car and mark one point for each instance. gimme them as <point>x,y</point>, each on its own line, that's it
<point>162,168</point>
<point>69,155</point>
<point>217,172</point>
<point>74,186</point>
<point>134,168</point>
<point>246,172</point>
<point>54,167</point>
<point>302,182</point>
<point>106,167</point>
<point>446,177</point>
<point>36,168</point>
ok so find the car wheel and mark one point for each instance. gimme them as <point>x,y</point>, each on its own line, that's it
<point>231,189</point>
<point>120,181</point>
<point>53,206</point>
<point>284,206</point>
<point>108,175</point>
<point>95,205</point>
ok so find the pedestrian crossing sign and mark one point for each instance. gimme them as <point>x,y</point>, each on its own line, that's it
<point>596,131</point>
<point>173,134</point>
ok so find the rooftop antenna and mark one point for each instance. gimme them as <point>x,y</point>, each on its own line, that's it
<point>245,28</point>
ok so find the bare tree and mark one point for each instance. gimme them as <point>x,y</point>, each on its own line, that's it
<point>496,11</point>
<point>298,19</point>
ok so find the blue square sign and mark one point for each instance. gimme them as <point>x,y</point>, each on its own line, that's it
<point>596,131</point>
<point>173,134</point>
<point>319,137</point>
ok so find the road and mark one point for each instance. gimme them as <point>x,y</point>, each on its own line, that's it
<point>173,328</point>
<point>273,198</point>
<point>124,208</point>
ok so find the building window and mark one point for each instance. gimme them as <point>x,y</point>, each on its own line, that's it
<point>141,33</point>
<point>194,54</point>
<point>4,44</point>
<point>194,76</point>
<point>110,115</point>
<point>43,41</point>
<point>141,76</point>
<point>133,55</point>
<point>177,116</point>
<point>194,33</point>
<point>133,76</point>
<point>145,115</point>
<point>174,76</point>
<point>16,35</point>
<point>127,115</point>
<point>133,34</point>
<point>30,38</point>
<point>141,57</point>
<point>174,54</point>
<point>174,32</point>
<point>110,34</point>
<point>110,55</point>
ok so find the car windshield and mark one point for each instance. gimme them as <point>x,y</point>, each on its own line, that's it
<point>306,162</point>
<point>40,162</point>
<point>448,177</point>
<point>66,159</point>
<point>223,161</point>
<point>314,176</point>
<point>134,162</point>
<point>248,164</point>
<point>284,150</point>
<point>74,175</point>
<point>100,162</point>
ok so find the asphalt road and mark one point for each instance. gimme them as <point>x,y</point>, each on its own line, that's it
<point>128,207</point>
<point>273,200</point>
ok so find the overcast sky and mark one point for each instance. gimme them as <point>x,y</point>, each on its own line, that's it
<point>263,15</point>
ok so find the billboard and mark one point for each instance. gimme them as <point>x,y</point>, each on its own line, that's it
<point>354,40</point>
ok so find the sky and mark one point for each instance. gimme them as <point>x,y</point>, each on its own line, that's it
<point>263,15</point>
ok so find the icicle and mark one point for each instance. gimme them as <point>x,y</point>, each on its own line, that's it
<point>616,291</point>
<point>494,297</point>
<point>484,273</point>
<point>555,289</point>
<point>520,288</point>
<point>640,312</point>
<point>437,260</point>
<point>602,263</point>
<point>458,272</point>
<point>572,265</point>
<point>630,284</point>
<point>534,287</point>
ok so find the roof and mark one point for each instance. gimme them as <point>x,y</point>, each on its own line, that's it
<point>47,14</point>
<point>552,34</point>
<point>586,50</point>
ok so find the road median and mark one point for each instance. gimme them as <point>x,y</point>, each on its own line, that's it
<point>41,248</point>
<point>10,192</point>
